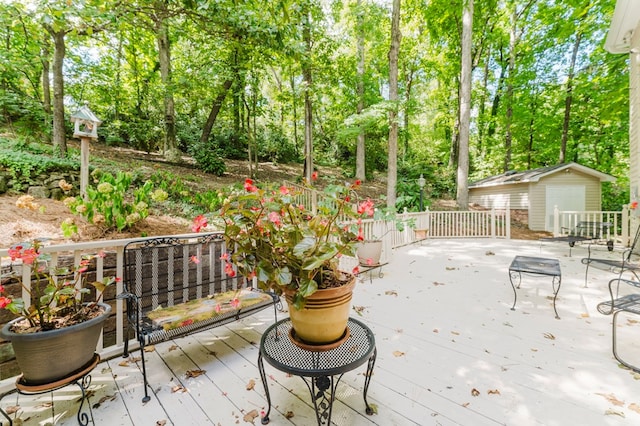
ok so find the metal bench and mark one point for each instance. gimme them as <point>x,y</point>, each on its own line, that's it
<point>175,286</point>
<point>629,303</point>
<point>628,262</point>
<point>585,232</point>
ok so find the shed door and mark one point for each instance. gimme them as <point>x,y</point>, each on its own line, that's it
<point>566,197</point>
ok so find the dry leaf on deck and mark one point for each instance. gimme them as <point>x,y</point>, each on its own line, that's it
<point>549,336</point>
<point>288,415</point>
<point>173,348</point>
<point>465,404</point>
<point>374,408</point>
<point>455,332</point>
<point>251,384</point>
<point>435,330</point>
<point>161,422</point>
<point>359,309</point>
<point>12,409</point>
<point>634,407</point>
<point>134,359</point>
<point>150,348</point>
<point>611,412</point>
<point>475,392</point>
<point>436,283</point>
<point>612,399</point>
<point>398,353</point>
<point>124,363</point>
<point>178,388</point>
<point>391,293</point>
<point>450,268</point>
<point>493,392</point>
<point>250,416</point>
<point>195,373</point>
<point>490,253</point>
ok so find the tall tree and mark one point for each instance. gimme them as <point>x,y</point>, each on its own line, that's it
<point>465,106</point>
<point>360,144</point>
<point>308,84</point>
<point>394,51</point>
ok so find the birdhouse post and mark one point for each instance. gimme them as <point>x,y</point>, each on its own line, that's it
<point>86,128</point>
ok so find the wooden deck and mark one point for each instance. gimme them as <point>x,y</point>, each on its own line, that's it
<point>450,352</point>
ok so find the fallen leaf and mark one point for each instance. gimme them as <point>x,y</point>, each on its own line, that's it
<point>436,283</point>
<point>534,350</point>
<point>611,412</point>
<point>549,336</point>
<point>465,404</point>
<point>251,384</point>
<point>585,315</point>
<point>173,348</point>
<point>493,392</point>
<point>134,359</point>
<point>250,416</point>
<point>374,408</point>
<point>150,348</point>
<point>475,392</point>
<point>288,415</point>
<point>103,400</point>
<point>636,376</point>
<point>359,309</point>
<point>490,253</point>
<point>161,422</point>
<point>634,407</point>
<point>455,332</point>
<point>124,363</point>
<point>399,330</point>
<point>435,330</point>
<point>194,373</point>
<point>178,388</point>
<point>391,293</point>
<point>398,353</point>
<point>12,409</point>
<point>450,268</point>
<point>612,399</point>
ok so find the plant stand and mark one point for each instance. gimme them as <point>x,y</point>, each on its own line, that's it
<point>82,378</point>
<point>370,268</point>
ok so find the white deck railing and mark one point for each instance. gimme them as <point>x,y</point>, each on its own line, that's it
<point>620,229</point>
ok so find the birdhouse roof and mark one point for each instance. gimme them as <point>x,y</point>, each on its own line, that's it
<point>84,113</point>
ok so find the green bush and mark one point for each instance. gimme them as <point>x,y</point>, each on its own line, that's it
<point>275,146</point>
<point>208,158</point>
<point>108,204</point>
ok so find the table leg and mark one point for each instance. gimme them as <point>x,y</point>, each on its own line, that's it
<point>265,385</point>
<point>83,418</point>
<point>322,391</point>
<point>555,293</point>
<point>512,276</point>
<point>4,413</point>
<point>367,380</point>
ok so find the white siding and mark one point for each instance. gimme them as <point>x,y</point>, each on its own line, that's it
<point>498,197</point>
<point>634,115</point>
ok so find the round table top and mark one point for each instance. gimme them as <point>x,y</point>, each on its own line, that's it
<point>277,348</point>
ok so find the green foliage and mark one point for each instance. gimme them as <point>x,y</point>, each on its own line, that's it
<point>110,205</point>
<point>274,146</point>
<point>24,161</point>
<point>189,196</point>
<point>208,158</point>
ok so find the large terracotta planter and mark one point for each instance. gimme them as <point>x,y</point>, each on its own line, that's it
<point>46,357</point>
<point>369,252</point>
<point>324,318</point>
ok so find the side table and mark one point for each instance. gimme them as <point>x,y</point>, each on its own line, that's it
<point>320,370</point>
<point>536,266</point>
<point>82,378</point>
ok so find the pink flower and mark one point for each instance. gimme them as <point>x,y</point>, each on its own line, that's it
<point>249,186</point>
<point>314,176</point>
<point>224,256</point>
<point>634,205</point>
<point>4,301</point>
<point>187,322</point>
<point>195,259</point>
<point>275,218</point>
<point>101,253</point>
<point>15,252</point>
<point>355,270</point>
<point>360,236</point>
<point>366,207</point>
<point>284,190</point>
<point>235,303</point>
<point>199,222</point>
<point>228,269</point>
<point>369,261</point>
<point>29,256</point>
<point>218,308</point>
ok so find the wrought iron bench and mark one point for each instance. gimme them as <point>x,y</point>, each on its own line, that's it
<point>175,286</point>
<point>628,263</point>
<point>629,303</point>
<point>585,232</point>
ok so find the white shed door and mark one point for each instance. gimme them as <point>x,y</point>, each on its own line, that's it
<point>566,197</point>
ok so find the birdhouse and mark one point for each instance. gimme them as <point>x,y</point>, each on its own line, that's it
<point>85,123</point>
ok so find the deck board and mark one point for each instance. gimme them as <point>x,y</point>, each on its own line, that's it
<point>443,326</point>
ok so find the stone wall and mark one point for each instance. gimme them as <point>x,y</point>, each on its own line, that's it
<point>42,186</point>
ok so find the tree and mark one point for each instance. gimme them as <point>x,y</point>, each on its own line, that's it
<point>360,144</point>
<point>465,106</point>
<point>394,50</point>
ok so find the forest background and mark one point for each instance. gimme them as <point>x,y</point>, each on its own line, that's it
<point>288,81</point>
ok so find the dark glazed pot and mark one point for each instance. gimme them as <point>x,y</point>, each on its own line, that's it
<point>46,357</point>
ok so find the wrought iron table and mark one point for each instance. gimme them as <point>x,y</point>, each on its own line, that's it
<point>536,266</point>
<point>320,370</point>
<point>82,378</point>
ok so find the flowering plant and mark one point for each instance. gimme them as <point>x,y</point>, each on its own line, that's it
<point>274,237</point>
<point>56,294</point>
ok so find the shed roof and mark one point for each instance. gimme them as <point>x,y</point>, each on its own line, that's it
<point>624,21</point>
<point>514,177</point>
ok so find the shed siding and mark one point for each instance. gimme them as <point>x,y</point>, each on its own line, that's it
<point>498,197</point>
<point>538,197</point>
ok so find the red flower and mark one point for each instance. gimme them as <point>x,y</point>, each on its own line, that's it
<point>224,256</point>
<point>1,288</point>
<point>29,256</point>
<point>360,236</point>
<point>15,252</point>
<point>366,207</point>
<point>634,205</point>
<point>4,301</point>
<point>314,176</point>
<point>187,322</point>
<point>195,259</point>
<point>235,303</point>
<point>355,270</point>
<point>228,269</point>
<point>199,222</point>
<point>284,190</point>
<point>249,186</point>
<point>358,182</point>
<point>218,308</point>
<point>275,218</point>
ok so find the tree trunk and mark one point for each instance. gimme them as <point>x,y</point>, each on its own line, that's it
<point>294,106</point>
<point>308,109</point>
<point>46,87</point>
<point>215,109</point>
<point>465,107</point>
<point>360,144</point>
<point>59,131</point>
<point>568,99</point>
<point>170,148</point>
<point>394,50</point>
<point>512,67</point>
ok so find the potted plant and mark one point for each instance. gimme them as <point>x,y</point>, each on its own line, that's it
<point>369,251</point>
<point>277,240</point>
<point>56,333</point>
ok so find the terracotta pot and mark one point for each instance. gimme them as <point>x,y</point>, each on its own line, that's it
<point>48,356</point>
<point>369,252</point>
<point>325,315</point>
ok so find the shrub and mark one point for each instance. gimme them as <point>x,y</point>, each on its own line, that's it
<point>208,158</point>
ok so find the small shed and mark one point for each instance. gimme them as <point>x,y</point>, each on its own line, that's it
<point>568,186</point>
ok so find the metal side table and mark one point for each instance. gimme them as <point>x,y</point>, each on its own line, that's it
<point>320,370</point>
<point>536,266</point>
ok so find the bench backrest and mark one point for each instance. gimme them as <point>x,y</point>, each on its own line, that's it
<point>167,271</point>
<point>591,229</point>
